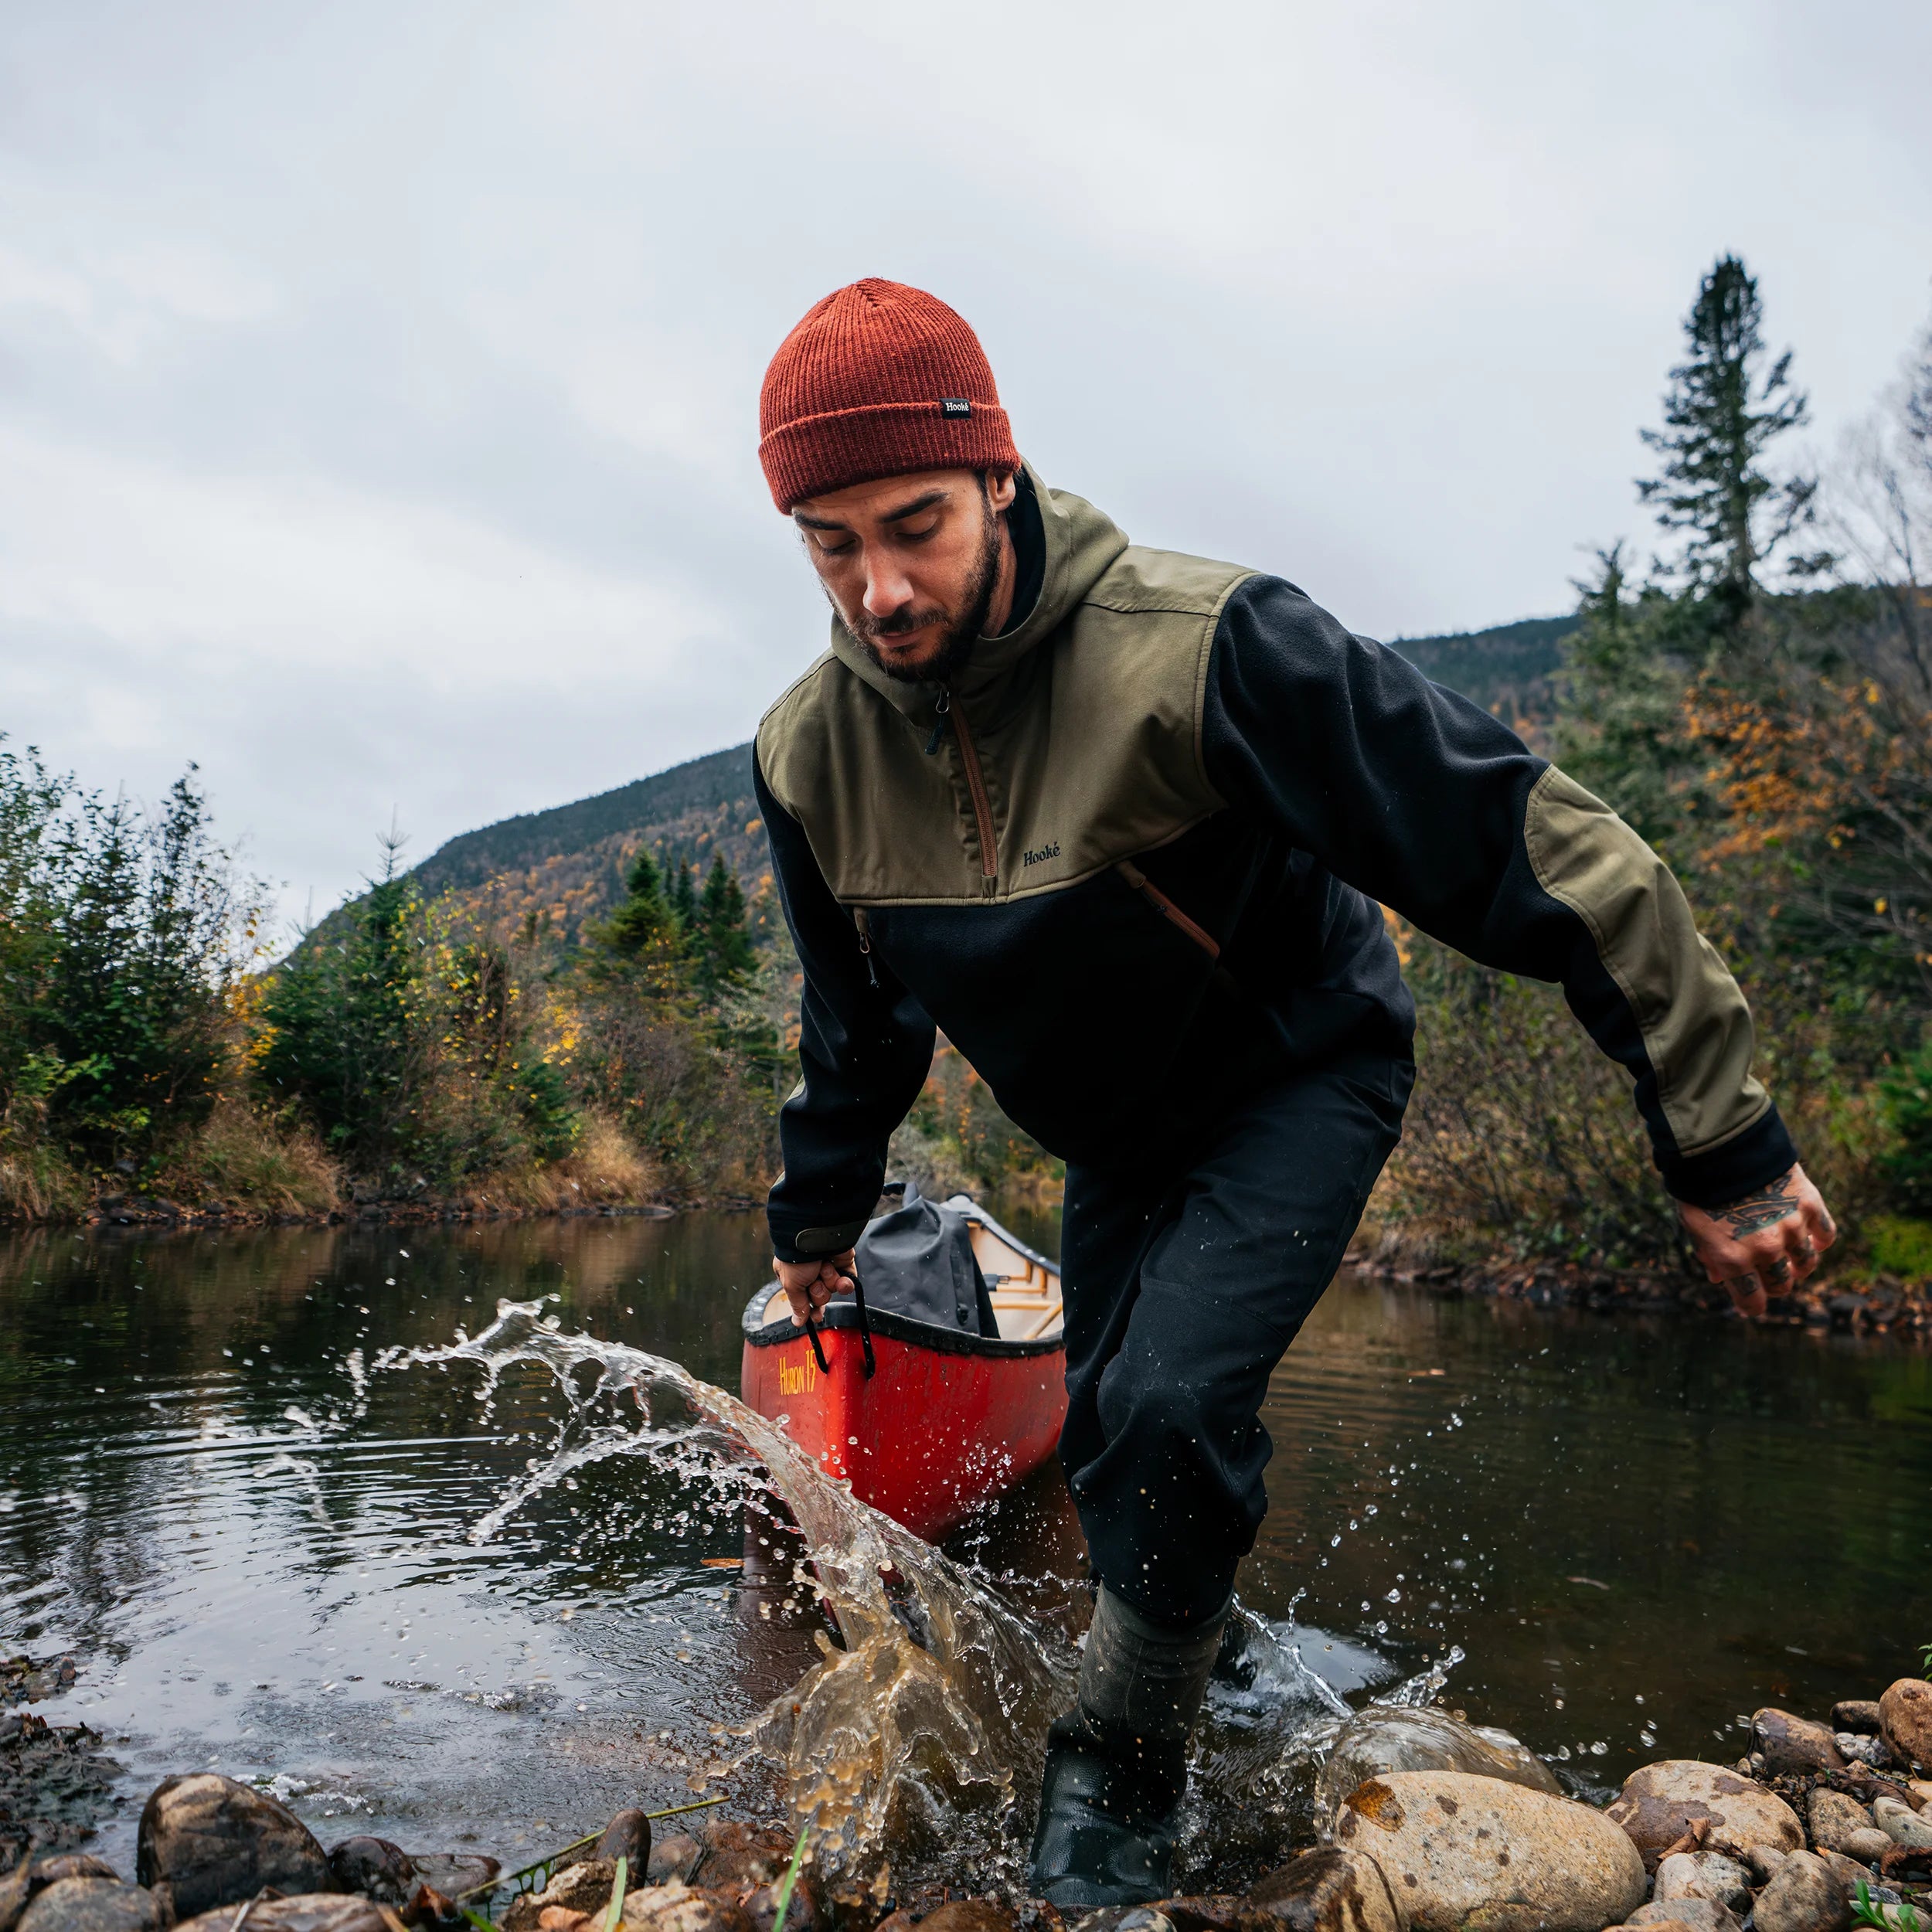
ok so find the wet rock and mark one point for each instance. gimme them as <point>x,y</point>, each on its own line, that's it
<point>982,1915</point>
<point>1858,1714</point>
<point>627,1836</point>
<point>306,1912</point>
<point>1701,1915</point>
<point>213,1841</point>
<point>585,1887</point>
<point>1452,1846</point>
<point>1203,1912</point>
<point>1902,1824</point>
<point>94,1904</point>
<point>453,1873</point>
<point>1331,1890</point>
<point>15,1889</point>
<point>374,1868</point>
<point>1905,1720</point>
<point>1789,1743</point>
<point>1856,1748</point>
<point>740,1858</point>
<point>806,1913</point>
<point>675,1857</point>
<point>1660,1801</point>
<point>1804,1896</point>
<point>1704,1874</point>
<point>72,1865</point>
<point>678,1908</point>
<point>1392,1737</point>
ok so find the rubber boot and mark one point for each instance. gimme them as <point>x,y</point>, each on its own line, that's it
<point>1117,1765</point>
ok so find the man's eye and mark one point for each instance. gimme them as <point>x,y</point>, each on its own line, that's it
<point>918,532</point>
<point>831,545</point>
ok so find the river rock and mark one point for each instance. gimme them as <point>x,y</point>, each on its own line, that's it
<point>1902,1824</point>
<point>1804,1895</point>
<point>1859,1714</point>
<point>678,1908</point>
<point>585,1887</point>
<point>673,1857</point>
<point>1400,1737</point>
<point>740,1858</point>
<point>1789,1743</point>
<point>374,1868</point>
<point>72,1865</point>
<point>306,1912</point>
<point>94,1904</point>
<point>982,1915</point>
<point>453,1873</point>
<point>213,1841</point>
<point>1840,1823</point>
<point>1451,1845</point>
<point>1905,1720</point>
<point>1204,1911</point>
<point>1849,1873</point>
<point>1856,1748</point>
<point>1701,1915</point>
<point>761,1907</point>
<point>627,1836</point>
<point>1660,1802</point>
<point>1331,1890</point>
<point>1704,1874</point>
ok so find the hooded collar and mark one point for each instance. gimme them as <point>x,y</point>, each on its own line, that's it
<point>1081,544</point>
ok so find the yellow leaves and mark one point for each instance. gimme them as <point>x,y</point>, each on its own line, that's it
<point>1879,907</point>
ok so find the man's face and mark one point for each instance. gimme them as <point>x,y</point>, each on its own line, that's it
<point>913,564</point>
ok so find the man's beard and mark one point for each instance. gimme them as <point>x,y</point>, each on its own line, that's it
<point>960,634</point>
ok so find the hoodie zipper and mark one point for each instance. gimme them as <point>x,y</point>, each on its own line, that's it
<point>859,919</point>
<point>1167,909</point>
<point>975,783</point>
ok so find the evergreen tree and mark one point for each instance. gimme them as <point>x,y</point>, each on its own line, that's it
<point>723,936</point>
<point>642,920</point>
<point>1721,416</point>
<point>684,898</point>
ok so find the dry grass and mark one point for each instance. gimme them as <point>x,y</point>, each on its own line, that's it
<point>251,1164</point>
<point>37,1185</point>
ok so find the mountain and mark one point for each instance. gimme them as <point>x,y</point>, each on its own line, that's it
<point>566,865</point>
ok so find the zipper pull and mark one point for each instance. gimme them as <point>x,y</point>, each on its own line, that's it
<point>942,706</point>
<point>865,946</point>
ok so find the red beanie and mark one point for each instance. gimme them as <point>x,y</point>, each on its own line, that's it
<point>878,380</point>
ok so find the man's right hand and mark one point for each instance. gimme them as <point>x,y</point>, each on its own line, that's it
<point>809,1285</point>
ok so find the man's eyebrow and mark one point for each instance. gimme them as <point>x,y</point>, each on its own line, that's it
<point>925,502</point>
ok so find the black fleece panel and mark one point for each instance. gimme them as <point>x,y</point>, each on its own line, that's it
<point>1419,798</point>
<point>864,1050</point>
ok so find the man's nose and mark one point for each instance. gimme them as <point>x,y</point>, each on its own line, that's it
<point>887,588</point>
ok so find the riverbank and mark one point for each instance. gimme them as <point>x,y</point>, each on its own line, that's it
<point>1420,1822</point>
<point>1845,1300</point>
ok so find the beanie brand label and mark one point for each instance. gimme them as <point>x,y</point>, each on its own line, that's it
<point>954,405</point>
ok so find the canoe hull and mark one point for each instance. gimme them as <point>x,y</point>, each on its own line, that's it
<point>933,1433</point>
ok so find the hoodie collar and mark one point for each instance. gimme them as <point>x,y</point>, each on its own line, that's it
<point>1081,544</point>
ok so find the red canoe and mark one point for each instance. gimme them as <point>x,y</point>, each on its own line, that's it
<point>948,1420</point>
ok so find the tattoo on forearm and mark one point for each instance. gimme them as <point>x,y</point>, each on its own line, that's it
<point>1765,1209</point>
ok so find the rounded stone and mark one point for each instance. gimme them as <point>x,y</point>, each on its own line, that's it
<point>1834,1816</point>
<point>1859,1714</point>
<point>1704,1874</point>
<point>213,1841</point>
<point>1804,1895</point>
<point>1701,1915</point>
<point>627,1836</point>
<point>1395,1737</point>
<point>680,1908</point>
<point>1902,1824</point>
<point>1789,1743</point>
<point>306,1912</point>
<point>1331,1890</point>
<point>1456,1849</point>
<point>374,1868</point>
<point>1905,1721</point>
<point>94,1904</point>
<point>1660,1801</point>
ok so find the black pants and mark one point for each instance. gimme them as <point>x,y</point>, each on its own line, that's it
<point>1185,1284</point>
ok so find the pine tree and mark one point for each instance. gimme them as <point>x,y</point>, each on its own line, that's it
<point>642,920</point>
<point>1720,417</point>
<point>684,898</point>
<point>722,935</point>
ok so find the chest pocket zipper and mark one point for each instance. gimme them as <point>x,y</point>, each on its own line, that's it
<point>1167,909</point>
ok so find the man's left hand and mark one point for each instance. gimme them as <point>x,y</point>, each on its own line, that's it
<point>1767,1243</point>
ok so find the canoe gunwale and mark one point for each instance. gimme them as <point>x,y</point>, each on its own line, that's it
<point>844,1313</point>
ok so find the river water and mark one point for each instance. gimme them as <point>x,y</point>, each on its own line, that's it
<point>260,1545</point>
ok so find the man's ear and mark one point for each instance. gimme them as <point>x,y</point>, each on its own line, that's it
<point>1002,489</point>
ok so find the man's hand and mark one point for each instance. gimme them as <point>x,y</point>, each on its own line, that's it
<point>1770,1240</point>
<point>809,1285</point>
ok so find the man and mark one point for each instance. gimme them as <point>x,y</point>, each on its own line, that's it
<point>1117,820</point>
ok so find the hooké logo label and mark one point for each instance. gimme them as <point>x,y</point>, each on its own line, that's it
<point>1045,852</point>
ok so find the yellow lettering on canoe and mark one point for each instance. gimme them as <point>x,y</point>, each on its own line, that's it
<point>795,1378</point>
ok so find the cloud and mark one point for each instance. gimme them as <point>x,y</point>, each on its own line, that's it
<point>378,389</point>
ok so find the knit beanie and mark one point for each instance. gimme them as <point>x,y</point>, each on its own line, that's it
<point>878,379</point>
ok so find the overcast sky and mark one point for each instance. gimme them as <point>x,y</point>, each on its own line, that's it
<point>379,383</point>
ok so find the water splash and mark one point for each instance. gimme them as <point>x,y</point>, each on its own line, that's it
<point>924,1730</point>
